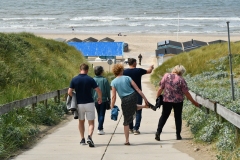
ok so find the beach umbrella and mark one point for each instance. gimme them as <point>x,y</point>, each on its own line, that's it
<point>74,40</point>
<point>107,39</point>
<point>90,39</point>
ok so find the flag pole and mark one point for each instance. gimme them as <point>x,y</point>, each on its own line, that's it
<point>230,62</point>
<point>178,27</point>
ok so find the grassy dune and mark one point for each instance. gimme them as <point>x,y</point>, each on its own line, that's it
<point>208,75</point>
<point>199,60</point>
<point>32,65</point>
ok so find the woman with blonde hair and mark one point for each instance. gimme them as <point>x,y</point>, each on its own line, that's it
<point>174,87</point>
<point>126,87</point>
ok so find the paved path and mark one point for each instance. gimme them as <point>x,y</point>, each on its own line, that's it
<point>63,144</point>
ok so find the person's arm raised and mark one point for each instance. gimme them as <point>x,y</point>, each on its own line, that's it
<point>150,69</point>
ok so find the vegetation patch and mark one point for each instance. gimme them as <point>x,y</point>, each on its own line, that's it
<point>32,65</point>
<point>20,127</point>
<point>208,75</point>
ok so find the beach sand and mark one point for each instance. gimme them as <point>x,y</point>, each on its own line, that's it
<point>146,44</point>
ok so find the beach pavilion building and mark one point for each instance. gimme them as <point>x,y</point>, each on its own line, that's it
<point>98,53</point>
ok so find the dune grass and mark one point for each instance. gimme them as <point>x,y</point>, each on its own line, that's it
<point>29,66</point>
<point>32,65</point>
<point>208,75</point>
<point>204,59</point>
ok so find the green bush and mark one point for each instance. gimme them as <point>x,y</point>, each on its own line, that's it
<point>19,127</point>
<point>208,76</point>
<point>32,65</point>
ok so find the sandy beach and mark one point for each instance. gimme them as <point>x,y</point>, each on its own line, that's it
<point>145,44</point>
<point>139,43</point>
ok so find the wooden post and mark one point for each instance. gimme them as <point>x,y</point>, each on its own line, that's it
<point>66,95</point>
<point>208,111</point>
<point>55,99</point>
<point>215,110</point>
<point>33,106</point>
<point>45,102</point>
<point>58,97</point>
<point>237,132</point>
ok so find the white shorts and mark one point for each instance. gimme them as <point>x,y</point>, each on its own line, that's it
<point>88,109</point>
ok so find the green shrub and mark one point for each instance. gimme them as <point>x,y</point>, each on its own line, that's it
<point>20,126</point>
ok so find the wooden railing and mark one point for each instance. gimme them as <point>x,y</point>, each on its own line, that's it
<point>32,100</point>
<point>221,111</point>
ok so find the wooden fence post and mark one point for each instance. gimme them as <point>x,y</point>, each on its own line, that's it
<point>45,102</point>
<point>215,110</point>
<point>208,111</point>
<point>33,106</point>
<point>66,95</point>
<point>237,132</point>
<point>58,96</point>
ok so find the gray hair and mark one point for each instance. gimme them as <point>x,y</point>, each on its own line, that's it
<point>179,69</point>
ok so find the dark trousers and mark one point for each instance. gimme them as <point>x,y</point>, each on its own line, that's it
<point>166,110</point>
<point>138,116</point>
<point>101,110</point>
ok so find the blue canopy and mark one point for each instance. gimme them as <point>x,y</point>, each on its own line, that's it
<point>99,48</point>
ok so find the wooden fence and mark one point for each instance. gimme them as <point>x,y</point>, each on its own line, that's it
<point>222,112</point>
<point>32,100</point>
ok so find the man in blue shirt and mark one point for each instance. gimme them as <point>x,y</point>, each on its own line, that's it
<point>136,75</point>
<point>83,85</point>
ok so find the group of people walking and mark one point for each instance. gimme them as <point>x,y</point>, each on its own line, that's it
<point>94,92</point>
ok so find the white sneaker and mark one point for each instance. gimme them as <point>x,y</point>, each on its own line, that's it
<point>101,132</point>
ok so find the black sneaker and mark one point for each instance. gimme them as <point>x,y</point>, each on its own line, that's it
<point>90,142</point>
<point>179,137</point>
<point>83,142</point>
<point>157,136</point>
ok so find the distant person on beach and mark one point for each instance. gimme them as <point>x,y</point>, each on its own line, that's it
<point>119,34</point>
<point>136,75</point>
<point>174,87</point>
<point>104,85</point>
<point>72,29</point>
<point>126,89</point>
<point>140,58</point>
<point>83,85</point>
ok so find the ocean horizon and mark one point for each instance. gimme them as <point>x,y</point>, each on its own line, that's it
<point>111,16</point>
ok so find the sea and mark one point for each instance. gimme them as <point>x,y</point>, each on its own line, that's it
<point>120,16</point>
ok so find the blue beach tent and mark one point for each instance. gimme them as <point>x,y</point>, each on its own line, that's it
<point>96,49</point>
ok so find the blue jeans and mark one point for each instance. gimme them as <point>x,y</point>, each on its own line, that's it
<point>101,110</point>
<point>138,116</point>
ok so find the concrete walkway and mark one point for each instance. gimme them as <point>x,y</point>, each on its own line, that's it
<point>63,144</point>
